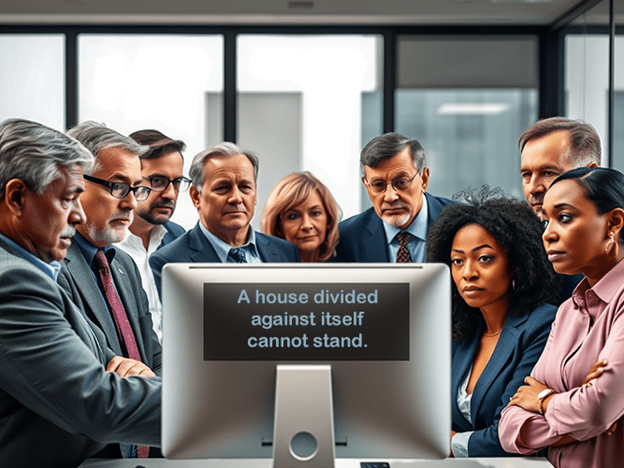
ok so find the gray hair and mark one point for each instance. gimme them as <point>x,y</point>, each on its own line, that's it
<point>584,140</point>
<point>389,145</point>
<point>33,153</point>
<point>97,137</point>
<point>196,172</point>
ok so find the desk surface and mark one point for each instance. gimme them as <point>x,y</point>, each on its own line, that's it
<point>340,463</point>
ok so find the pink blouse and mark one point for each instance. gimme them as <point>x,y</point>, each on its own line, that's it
<point>589,327</point>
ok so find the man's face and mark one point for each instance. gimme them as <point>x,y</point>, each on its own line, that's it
<point>49,219</point>
<point>543,159</point>
<point>159,206</point>
<point>108,218</point>
<point>397,208</point>
<point>228,198</point>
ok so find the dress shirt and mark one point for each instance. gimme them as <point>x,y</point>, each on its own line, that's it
<point>222,248</point>
<point>460,440</point>
<point>133,246</point>
<point>589,327</point>
<point>51,269</point>
<point>416,244</point>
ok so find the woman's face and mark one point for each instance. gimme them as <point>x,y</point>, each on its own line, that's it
<point>576,235</point>
<point>480,268</point>
<point>305,225</point>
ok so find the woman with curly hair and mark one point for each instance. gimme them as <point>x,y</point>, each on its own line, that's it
<point>302,210</point>
<point>502,282</point>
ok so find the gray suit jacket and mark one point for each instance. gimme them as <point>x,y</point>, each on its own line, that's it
<point>77,279</point>
<point>58,405</point>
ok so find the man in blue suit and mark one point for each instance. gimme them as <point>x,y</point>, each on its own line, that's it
<point>224,193</point>
<point>395,228</point>
<point>162,170</point>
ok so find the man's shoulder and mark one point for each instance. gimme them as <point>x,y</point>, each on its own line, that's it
<point>356,223</point>
<point>179,245</point>
<point>174,230</point>
<point>278,243</point>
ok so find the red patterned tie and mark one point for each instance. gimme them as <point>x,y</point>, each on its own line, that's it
<point>403,255</point>
<point>124,330</point>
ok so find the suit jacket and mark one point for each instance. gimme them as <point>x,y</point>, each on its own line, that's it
<point>363,238</point>
<point>58,405</point>
<point>519,347</point>
<point>194,247</point>
<point>173,232</point>
<point>77,279</point>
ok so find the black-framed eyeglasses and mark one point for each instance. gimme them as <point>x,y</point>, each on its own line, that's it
<point>160,183</point>
<point>121,190</point>
<point>398,184</point>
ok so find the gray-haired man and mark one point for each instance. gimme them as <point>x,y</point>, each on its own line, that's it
<point>58,403</point>
<point>224,193</point>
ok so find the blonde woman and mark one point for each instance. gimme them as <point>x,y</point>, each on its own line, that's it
<point>302,210</point>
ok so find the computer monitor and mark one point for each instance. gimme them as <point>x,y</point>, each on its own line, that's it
<point>371,342</point>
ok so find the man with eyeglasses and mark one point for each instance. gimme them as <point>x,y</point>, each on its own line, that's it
<point>101,279</point>
<point>395,228</point>
<point>162,170</point>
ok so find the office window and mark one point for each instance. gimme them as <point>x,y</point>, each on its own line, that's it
<point>301,107</point>
<point>133,82</point>
<point>467,100</point>
<point>32,82</point>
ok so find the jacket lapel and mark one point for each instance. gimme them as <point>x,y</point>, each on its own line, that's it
<point>93,301</point>
<point>375,245</point>
<point>201,249</point>
<point>504,349</point>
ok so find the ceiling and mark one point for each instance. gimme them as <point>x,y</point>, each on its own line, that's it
<point>292,12</point>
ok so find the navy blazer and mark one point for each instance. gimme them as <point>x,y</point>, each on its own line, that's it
<point>519,347</point>
<point>363,238</point>
<point>194,247</point>
<point>173,232</point>
<point>77,279</point>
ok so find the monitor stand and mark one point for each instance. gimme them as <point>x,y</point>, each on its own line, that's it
<point>304,417</point>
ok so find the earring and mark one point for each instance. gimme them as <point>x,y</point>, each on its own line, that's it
<point>610,245</point>
<point>513,284</point>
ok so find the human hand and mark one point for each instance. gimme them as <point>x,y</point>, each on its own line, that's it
<point>452,434</point>
<point>125,367</point>
<point>594,372</point>
<point>526,396</point>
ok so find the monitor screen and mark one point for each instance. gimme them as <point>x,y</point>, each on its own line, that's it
<point>372,342</point>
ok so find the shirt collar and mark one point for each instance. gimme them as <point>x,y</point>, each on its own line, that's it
<point>156,236</point>
<point>222,248</point>
<point>418,228</point>
<point>51,269</point>
<point>89,250</point>
<point>604,289</point>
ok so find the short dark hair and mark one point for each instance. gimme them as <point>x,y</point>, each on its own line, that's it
<point>159,143</point>
<point>603,186</point>
<point>517,229</point>
<point>584,140</point>
<point>389,145</point>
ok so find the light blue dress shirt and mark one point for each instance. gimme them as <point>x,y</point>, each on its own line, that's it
<point>418,230</point>
<point>222,248</point>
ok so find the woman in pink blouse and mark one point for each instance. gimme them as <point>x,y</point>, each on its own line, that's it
<point>575,395</point>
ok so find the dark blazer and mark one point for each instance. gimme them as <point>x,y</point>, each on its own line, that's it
<point>173,232</point>
<point>519,347</point>
<point>58,405</point>
<point>363,238</point>
<point>194,247</point>
<point>77,279</point>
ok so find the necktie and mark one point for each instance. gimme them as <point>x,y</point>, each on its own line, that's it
<point>237,255</point>
<point>403,255</point>
<point>124,330</point>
